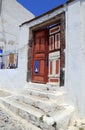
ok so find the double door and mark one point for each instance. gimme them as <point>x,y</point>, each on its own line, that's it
<point>46,56</point>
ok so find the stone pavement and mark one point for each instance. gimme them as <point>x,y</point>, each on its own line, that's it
<point>28,110</point>
<point>78,124</point>
<point>9,122</point>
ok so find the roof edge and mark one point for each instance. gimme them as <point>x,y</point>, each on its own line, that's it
<point>48,12</point>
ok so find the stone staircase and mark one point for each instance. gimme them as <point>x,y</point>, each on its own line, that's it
<point>42,105</point>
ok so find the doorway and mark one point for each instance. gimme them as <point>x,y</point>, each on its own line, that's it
<point>48,55</point>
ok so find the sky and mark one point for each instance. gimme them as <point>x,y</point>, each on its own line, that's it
<point>38,7</point>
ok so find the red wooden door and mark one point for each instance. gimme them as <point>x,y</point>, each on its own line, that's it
<point>40,54</point>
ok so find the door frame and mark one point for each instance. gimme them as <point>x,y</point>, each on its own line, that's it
<point>60,18</point>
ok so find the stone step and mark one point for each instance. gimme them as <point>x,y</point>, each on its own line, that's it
<point>44,94</point>
<point>59,119</point>
<point>9,121</point>
<point>46,105</point>
<point>45,87</point>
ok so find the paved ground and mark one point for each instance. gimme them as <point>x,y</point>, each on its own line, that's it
<point>79,124</point>
<point>8,122</point>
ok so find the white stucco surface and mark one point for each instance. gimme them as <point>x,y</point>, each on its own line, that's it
<point>83,56</point>
<point>74,54</point>
<point>10,20</point>
<point>13,15</point>
<point>75,66</point>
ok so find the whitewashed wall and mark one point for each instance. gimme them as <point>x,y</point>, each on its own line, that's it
<point>75,51</point>
<point>13,15</point>
<point>83,56</point>
<point>75,55</point>
<point>15,79</point>
<point>75,58</point>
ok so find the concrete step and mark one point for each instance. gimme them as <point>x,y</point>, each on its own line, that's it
<point>45,94</point>
<point>9,121</point>
<point>48,106</point>
<point>45,87</point>
<point>59,119</point>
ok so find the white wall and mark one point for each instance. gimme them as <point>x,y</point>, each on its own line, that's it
<point>75,52</point>
<point>15,79</point>
<point>75,69</point>
<point>83,55</point>
<point>75,56</point>
<point>13,15</point>
<point>75,59</point>
<point>23,52</point>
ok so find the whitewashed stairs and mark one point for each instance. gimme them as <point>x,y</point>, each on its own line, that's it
<point>42,106</point>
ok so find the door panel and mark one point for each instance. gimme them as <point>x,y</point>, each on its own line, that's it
<point>57,41</point>
<point>42,66</point>
<point>54,30</point>
<point>58,67</point>
<point>51,43</point>
<point>42,46</point>
<point>40,53</point>
<point>50,67</point>
<point>36,44</point>
<point>54,68</point>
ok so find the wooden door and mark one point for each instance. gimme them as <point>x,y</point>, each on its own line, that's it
<point>40,54</point>
<point>54,55</point>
